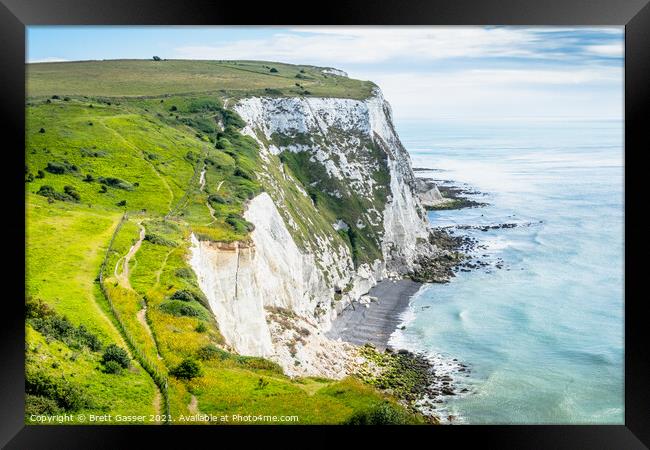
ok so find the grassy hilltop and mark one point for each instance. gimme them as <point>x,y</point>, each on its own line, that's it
<point>118,78</point>
<point>113,189</point>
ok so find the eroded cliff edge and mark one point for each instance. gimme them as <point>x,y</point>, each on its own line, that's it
<point>339,213</point>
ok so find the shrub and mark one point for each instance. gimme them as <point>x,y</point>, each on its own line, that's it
<point>201,328</point>
<point>239,223</point>
<point>217,199</point>
<point>183,295</point>
<point>103,189</point>
<point>187,370</point>
<point>48,191</point>
<point>262,383</point>
<point>173,108</point>
<point>59,168</point>
<point>204,105</point>
<point>384,414</point>
<point>69,190</point>
<point>210,351</point>
<point>117,354</point>
<point>159,240</point>
<point>37,404</point>
<point>89,178</point>
<point>116,183</point>
<point>40,174</point>
<point>273,70</point>
<point>156,58</point>
<point>184,272</point>
<point>29,178</point>
<point>112,367</point>
<point>182,308</point>
<point>55,97</point>
<point>42,130</point>
<point>67,396</point>
<point>239,172</point>
<point>187,296</point>
<point>121,203</point>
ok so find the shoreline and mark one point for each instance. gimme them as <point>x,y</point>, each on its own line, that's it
<point>376,321</point>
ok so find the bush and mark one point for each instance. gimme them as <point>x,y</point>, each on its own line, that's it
<point>217,199</point>
<point>112,367</point>
<point>187,370</point>
<point>117,354</point>
<point>239,172</point>
<point>116,183</point>
<point>67,396</point>
<point>201,328</point>
<point>69,190</point>
<point>29,178</point>
<point>40,174</point>
<point>37,404</point>
<point>173,108</point>
<point>239,223</point>
<point>59,168</point>
<point>42,130</point>
<point>273,70</point>
<point>187,296</point>
<point>121,203</point>
<point>182,308</point>
<point>210,351</point>
<point>48,191</point>
<point>89,178</point>
<point>159,240</point>
<point>103,189</point>
<point>185,272</point>
<point>384,414</point>
<point>156,58</point>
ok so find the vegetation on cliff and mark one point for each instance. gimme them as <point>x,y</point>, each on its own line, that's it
<point>117,323</point>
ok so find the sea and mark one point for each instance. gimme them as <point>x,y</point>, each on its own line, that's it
<point>541,327</point>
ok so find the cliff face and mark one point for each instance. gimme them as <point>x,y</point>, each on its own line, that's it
<point>338,214</point>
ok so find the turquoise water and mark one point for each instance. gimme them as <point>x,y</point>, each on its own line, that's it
<point>544,335</point>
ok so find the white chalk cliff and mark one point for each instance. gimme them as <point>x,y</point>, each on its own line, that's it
<point>276,294</point>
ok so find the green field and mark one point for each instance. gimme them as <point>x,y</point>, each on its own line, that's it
<point>127,78</point>
<point>114,137</point>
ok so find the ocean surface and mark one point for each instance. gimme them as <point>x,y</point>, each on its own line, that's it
<point>544,335</point>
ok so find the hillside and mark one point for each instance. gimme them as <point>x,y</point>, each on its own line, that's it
<point>132,167</point>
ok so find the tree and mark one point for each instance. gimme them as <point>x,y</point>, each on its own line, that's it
<point>156,58</point>
<point>187,369</point>
<point>117,354</point>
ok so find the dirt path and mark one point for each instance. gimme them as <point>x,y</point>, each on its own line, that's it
<point>162,267</point>
<point>142,318</point>
<point>123,277</point>
<point>207,202</point>
<point>193,406</point>
<point>157,399</point>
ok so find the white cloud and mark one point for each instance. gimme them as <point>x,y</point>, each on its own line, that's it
<point>569,83</point>
<point>340,45</point>
<point>506,93</point>
<point>614,50</point>
<point>48,59</point>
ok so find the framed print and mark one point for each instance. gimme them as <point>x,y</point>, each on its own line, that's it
<point>408,217</point>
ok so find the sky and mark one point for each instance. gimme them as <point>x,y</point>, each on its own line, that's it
<point>426,73</point>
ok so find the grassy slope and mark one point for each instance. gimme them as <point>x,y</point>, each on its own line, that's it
<point>156,146</point>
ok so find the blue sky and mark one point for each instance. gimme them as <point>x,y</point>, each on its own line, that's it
<point>427,73</point>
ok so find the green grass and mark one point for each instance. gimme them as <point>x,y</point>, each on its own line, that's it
<point>133,136</point>
<point>123,78</point>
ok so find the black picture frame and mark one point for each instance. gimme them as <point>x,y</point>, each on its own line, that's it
<point>15,15</point>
